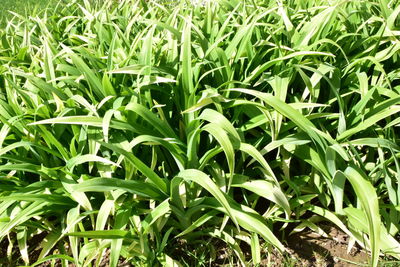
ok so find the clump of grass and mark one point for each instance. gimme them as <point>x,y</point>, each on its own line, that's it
<point>26,8</point>
<point>128,126</point>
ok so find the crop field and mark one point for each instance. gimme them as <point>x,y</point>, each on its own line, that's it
<point>155,133</point>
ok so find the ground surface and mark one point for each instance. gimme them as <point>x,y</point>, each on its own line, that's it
<point>310,249</point>
<point>305,249</point>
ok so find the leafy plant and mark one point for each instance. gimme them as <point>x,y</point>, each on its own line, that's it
<point>134,127</point>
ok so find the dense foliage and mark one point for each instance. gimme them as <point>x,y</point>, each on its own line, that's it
<point>157,132</point>
<point>10,8</point>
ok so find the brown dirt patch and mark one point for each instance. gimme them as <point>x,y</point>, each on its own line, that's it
<point>310,249</point>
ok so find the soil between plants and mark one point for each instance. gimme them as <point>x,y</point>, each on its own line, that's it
<point>305,248</point>
<point>310,249</point>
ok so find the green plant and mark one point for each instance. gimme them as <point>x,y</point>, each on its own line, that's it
<point>132,127</point>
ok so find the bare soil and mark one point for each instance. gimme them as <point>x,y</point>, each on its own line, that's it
<point>310,249</point>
